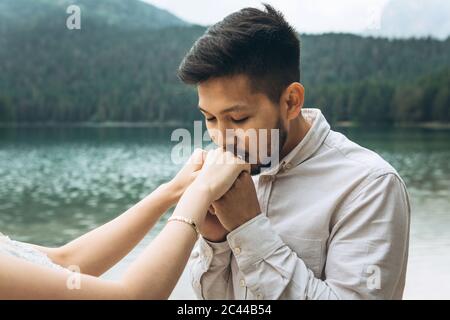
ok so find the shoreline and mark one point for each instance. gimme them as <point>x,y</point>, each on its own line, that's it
<point>169,124</point>
<point>107,124</point>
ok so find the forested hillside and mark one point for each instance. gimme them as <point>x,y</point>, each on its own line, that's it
<point>121,66</point>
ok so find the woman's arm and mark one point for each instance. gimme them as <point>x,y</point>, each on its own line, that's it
<point>155,273</point>
<point>97,251</point>
<point>152,276</point>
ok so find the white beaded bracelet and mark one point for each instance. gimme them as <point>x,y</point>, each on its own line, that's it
<point>185,220</point>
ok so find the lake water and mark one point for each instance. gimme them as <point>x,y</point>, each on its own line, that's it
<point>57,183</point>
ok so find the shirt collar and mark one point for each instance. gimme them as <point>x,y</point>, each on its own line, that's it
<point>310,143</point>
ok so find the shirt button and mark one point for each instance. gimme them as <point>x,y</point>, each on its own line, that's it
<point>242,283</point>
<point>259,296</point>
<point>288,166</point>
<point>195,254</point>
<point>237,250</point>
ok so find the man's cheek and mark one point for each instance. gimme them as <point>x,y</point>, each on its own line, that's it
<point>215,136</point>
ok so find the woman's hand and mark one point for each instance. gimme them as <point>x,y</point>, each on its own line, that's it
<point>220,170</point>
<point>186,175</point>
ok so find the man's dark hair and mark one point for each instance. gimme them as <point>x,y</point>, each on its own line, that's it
<point>256,43</point>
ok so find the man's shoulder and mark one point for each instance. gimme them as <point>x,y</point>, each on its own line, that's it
<point>360,168</point>
<point>347,153</point>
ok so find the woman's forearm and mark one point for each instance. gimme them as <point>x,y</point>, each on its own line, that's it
<point>163,261</point>
<point>152,276</point>
<point>100,249</point>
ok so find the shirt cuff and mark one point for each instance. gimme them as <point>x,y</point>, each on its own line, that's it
<point>254,241</point>
<point>217,247</point>
<point>211,253</point>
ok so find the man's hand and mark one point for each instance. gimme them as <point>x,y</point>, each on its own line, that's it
<point>239,205</point>
<point>212,229</point>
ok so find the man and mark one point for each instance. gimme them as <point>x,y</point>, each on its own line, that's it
<point>330,220</point>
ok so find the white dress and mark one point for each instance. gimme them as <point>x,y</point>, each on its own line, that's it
<point>26,252</point>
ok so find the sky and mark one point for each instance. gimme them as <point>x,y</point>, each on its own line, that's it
<point>318,16</point>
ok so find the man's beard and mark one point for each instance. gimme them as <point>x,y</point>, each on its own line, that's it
<point>282,137</point>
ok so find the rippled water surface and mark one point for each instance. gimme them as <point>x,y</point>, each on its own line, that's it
<point>56,183</point>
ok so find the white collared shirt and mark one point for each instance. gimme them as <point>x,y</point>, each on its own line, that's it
<point>334,225</point>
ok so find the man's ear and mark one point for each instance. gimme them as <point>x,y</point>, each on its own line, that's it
<point>293,98</point>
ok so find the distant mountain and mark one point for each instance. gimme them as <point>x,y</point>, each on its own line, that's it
<point>414,18</point>
<point>124,14</point>
<point>121,66</point>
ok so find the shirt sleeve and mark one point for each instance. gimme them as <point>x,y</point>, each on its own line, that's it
<point>366,257</point>
<point>210,270</point>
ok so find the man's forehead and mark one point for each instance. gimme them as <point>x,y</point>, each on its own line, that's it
<point>233,90</point>
<point>230,94</point>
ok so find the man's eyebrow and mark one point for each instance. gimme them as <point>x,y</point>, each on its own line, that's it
<point>230,109</point>
<point>202,110</point>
